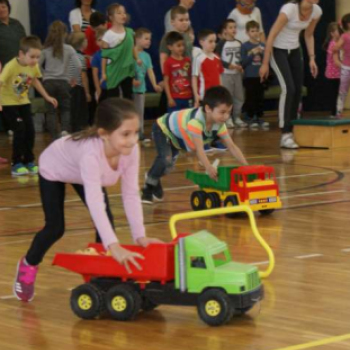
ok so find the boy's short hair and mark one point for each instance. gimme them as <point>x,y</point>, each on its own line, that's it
<point>216,96</point>
<point>345,21</point>
<point>226,22</point>
<point>30,42</point>
<point>76,39</point>
<point>97,19</point>
<point>252,25</point>
<point>100,32</point>
<point>177,10</point>
<point>172,38</point>
<point>204,33</point>
<point>140,31</point>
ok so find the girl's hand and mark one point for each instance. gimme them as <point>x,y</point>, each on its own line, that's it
<point>145,241</point>
<point>158,88</point>
<point>212,172</point>
<point>136,83</point>
<point>313,68</point>
<point>125,257</point>
<point>171,103</point>
<point>264,72</point>
<point>139,62</point>
<point>53,101</point>
<point>88,98</point>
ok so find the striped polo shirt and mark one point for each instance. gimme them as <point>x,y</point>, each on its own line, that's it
<point>183,126</point>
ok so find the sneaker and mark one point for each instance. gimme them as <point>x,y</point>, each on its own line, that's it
<point>218,146</point>
<point>263,124</point>
<point>23,288</point>
<point>287,141</point>
<point>19,169</point>
<point>147,194</point>
<point>240,123</point>
<point>158,193</point>
<point>32,168</point>
<point>229,123</point>
<point>254,124</point>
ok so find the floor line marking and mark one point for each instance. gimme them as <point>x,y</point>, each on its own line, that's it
<point>6,297</point>
<point>321,342</point>
<point>260,263</point>
<point>347,250</point>
<point>309,256</point>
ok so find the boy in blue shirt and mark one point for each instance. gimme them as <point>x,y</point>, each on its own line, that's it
<point>252,56</point>
<point>143,38</point>
<point>96,65</point>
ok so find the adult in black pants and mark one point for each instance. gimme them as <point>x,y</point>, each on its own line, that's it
<point>284,54</point>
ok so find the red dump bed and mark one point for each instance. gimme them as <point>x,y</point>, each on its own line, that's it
<point>158,264</point>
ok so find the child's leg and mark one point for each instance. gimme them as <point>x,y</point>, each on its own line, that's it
<point>139,101</point>
<point>29,138</point>
<point>249,97</point>
<point>79,109</point>
<point>13,118</point>
<point>79,189</point>
<point>51,115</point>
<point>343,89</point>
<point>333,91</point>
<point>52,197</point>
<point>126,86</point>
<point>64,100</point>
<point>259,98</point>
<point>228,83</point>
<point>238,97</point>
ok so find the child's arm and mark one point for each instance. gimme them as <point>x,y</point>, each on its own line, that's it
<point>104,70</point>
<point>162,58</point>
<point>38,87</point>
<point>96,82</point>
<point>234,150</point>
<point>199,148</point>
<point>338,46</point>
<point>136,56</point>
<point>85,81</point>
<point>246,56</point>
<point>336,59</point>
<point>195,91</point>
<point>152,78</point>
<point>171,102</point>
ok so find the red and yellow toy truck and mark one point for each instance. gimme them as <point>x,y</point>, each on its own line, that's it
<point>255,186</point>
<point>192,270</point>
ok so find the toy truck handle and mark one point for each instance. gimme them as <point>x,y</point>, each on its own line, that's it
<point>228,210</point>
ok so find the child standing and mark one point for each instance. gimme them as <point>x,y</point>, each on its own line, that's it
<point>229,50</point>
<point>189,130</point>
<point>333,65</point>
<point>56,58</point>
<point>96,65</point>
<point>143,38</point>
<point>118,48</point>
<point>2,160</point>
<point>207,67</point>
<point>80,93</point>
<point>177,74</point>
<point>15,80</point>
<point>89,160</point>
<point>252,56</point>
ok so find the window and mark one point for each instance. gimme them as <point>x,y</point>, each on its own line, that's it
<point>198,262</point>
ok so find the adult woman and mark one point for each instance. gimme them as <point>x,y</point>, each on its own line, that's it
<point>244,12</point>
<point>283,48</point>
<point>11,32</point>
<point>79,18</point>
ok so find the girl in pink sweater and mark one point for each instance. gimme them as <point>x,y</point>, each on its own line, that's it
<point>90,159</point>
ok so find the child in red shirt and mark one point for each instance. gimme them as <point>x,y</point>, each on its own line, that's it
<point>177,74</point>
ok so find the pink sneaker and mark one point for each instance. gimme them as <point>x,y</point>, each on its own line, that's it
<point>25,279</point>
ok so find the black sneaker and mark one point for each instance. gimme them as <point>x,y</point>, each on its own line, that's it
<point>147,194</point>
<point>158,193</point>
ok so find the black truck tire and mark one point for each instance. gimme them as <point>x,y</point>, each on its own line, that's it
<point>212,201</point>
<point>198,199</point>
<point>215,307</point>
<point>123,302</point>
<point>266,211</point>
<point>87,301</point>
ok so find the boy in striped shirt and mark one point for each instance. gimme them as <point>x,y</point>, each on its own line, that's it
<point>190,129</point>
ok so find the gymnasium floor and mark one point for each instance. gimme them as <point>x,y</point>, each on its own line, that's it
<point>306,303</point>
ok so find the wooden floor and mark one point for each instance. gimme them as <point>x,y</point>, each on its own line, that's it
<point>307,296</point>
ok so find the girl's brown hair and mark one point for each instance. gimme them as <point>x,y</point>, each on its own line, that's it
<point>332,27</point>
<point>76,39</point>
<point>110,115</point>
<point>111,10</point>
<point>55,38</point>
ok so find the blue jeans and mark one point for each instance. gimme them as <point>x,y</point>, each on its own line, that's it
<point>180,104</point>
<point>166,158</point>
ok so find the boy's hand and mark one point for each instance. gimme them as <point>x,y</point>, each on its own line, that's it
<point>73,82</point>
<point>53,101</point>
<point>0,108</point>
<point>158,88</point>
<point>197,101</point>
<point>88,98</point>
<point>145,241</point>
<point>98,94</point>
<point>103,78</point>
<point>212,172</point>
<point>171,103</point>
<point>136,83</point>
<point>139,62</point>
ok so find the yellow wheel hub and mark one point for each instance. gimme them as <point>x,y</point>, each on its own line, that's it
<point>196,201</point>
<point>119,303</point>
<point>208,203</point>
<point>212,308</point>
<point>229,204</point>
<point>85,302</point>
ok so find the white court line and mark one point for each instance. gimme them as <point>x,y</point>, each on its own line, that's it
<point>347,250</point>
<point>260,263</point>
<point>312,194</point>
<point>6,297</point>
<point>308,256</point>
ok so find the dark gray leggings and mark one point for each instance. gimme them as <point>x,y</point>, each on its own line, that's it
<point>288,66</point>
<point>52,198</point>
